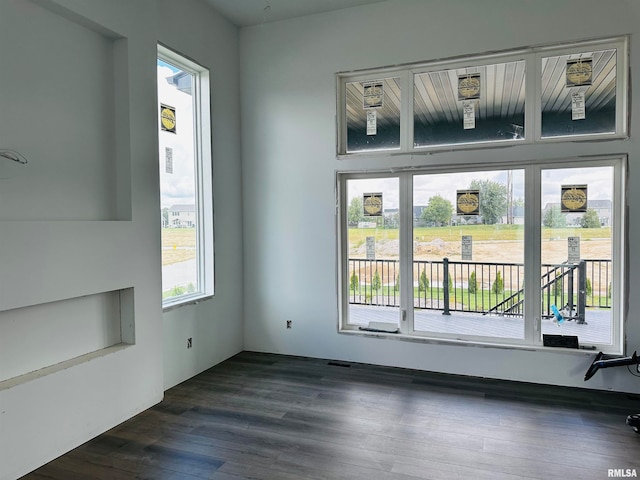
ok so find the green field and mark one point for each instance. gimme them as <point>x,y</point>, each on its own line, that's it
<point>500,232</point>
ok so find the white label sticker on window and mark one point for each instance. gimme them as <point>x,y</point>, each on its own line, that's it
<point>168,160</point>
<point>372,122</point>
<point>469,113</point>
<point>371,248</point>
<point>467,246</point>
<point>577,106</point>
<point>573,244</point>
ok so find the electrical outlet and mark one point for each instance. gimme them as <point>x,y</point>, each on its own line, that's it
<point>189,342</point>
<point>289,322</point>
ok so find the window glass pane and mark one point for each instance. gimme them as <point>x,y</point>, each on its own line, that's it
<point>579,94</point>
<point>468,253</point>
<point>373,245</point>
<point>576,249</point>
<point>373,115</point>
<point>178,183</point>
<point>469,105</point>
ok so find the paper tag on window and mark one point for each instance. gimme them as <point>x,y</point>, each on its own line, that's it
<point>577,106</point>
<point>469,115</point>
<point>467,248</point>
<point>372,122</point>
<point>573,247</point>
<point>168,160</point>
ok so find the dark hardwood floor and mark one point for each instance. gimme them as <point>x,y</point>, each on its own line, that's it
<point>261,416</point>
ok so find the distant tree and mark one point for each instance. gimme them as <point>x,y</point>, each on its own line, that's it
<point>355,213</point>
<point>590,219</point>
<point>438,211</point>
<point>165,216</point>
<point>554,218</point>
<point>493,200</point>
<point>518,202</point>
<point>392,220</point>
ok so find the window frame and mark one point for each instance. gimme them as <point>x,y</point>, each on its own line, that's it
<point>203,173</point>
<point>621,45</point>
<point>533,111</point>
<point>532,337</point>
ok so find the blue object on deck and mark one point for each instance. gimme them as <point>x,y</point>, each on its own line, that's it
<point>556,313</point>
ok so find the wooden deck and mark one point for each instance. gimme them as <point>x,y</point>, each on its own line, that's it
<point>597,330</point>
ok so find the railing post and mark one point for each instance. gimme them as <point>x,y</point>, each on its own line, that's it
<point>445,286</point>
<point>582,291</point>
<point>570,290</point>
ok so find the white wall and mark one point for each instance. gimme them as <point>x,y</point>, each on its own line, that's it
<point>97,158</point>
<point>289,164</point>
<point>216,324</point>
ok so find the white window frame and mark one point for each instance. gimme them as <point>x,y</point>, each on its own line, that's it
<point>203,177</point>
<point>532,250</point>
<point>533,114</point>
<point>621,45</point>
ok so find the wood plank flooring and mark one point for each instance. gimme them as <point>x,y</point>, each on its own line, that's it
<point>273,417</point>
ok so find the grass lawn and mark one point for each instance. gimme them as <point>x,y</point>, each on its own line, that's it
<point>500,232</point>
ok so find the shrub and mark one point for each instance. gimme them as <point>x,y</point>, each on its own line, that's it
<point>472,284</point>
<point>423,285</point>
<point>498,284</point>
<point>353,281</point>
<point>588,288</point>
<point>177,291</point>
<point>376,283</point>
<point>396,286</point>
<point>557,286</point>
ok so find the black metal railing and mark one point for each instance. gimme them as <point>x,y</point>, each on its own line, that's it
<point>482,287</point>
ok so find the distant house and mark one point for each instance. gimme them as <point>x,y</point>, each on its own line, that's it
<point>182,216</point>
<point>602,208</point>
<point>516,217</point>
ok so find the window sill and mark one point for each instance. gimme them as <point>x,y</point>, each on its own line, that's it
<point>184,301</point>
<point>586,350</point>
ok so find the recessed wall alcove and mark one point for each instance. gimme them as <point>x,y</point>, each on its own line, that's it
<point>48,335</point>
<point>65,110</point>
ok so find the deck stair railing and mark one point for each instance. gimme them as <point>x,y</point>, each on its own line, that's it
<point>481,287</point>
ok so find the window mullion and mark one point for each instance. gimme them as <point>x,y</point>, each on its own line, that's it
<point>532,256</point>
<point>406,253</point>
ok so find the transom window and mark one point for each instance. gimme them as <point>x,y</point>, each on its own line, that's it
<point>532,95</point>
<point>511,255</point>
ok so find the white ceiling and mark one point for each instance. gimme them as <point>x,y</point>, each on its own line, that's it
<point>245,13</point>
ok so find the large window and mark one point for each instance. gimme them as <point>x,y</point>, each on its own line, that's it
<point>185,179</point>
<point>492,255</point>
<point>533,95</point>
